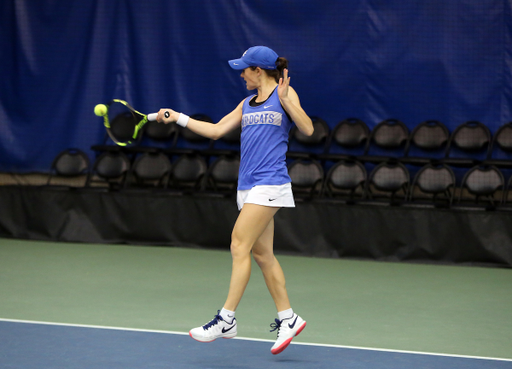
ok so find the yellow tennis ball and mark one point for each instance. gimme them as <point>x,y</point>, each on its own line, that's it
<point>100,110</point>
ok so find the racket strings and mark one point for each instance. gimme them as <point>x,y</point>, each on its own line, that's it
<point>122,123</point>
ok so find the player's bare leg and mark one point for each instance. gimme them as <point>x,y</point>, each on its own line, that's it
<point>288,324</point>
<point>263,253</point>
<point>250,225</point>
<point>252,221</point>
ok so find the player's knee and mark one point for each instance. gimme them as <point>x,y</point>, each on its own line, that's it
<point>263,259</point>
<point>239,248</point>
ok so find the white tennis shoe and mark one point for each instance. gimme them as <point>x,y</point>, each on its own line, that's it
<point>286,330</point>
<point>216,328</point>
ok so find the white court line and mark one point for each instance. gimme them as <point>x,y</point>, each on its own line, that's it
<point>256,340</point>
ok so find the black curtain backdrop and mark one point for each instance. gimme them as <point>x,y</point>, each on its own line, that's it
<point>315,228</point>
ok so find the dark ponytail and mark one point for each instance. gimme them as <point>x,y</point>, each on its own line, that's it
<point>281,64</point>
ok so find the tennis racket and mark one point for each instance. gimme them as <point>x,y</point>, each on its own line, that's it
<point>123,123</point>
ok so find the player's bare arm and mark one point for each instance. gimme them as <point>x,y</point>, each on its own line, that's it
<point>206,129</point>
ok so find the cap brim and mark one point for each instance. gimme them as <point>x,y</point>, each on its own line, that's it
<point>238,64</point>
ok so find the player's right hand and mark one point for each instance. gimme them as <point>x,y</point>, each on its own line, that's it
<point>170,117</point>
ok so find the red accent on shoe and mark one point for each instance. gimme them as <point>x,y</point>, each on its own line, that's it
<point>190,334</point>
<point>288,341</point>
<point>282,347</point>
<point>300,329</point>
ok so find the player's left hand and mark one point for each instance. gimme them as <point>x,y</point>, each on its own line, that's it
<point>284,84</point>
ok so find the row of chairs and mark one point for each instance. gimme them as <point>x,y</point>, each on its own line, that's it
<point>469,144</point>
<point>348,180</point>
<point>114,170</point>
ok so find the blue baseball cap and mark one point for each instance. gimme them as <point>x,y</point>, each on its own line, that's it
<point>256,56</point>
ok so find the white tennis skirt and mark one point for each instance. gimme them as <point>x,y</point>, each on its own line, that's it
<point>280,196</point>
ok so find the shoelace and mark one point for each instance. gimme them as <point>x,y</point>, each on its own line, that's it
<point>275,326</point>
<point>214,321</point>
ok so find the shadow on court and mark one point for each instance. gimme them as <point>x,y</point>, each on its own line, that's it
<point>33,345</point>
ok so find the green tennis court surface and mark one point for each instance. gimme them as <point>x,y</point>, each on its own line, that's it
<point>423,308</point>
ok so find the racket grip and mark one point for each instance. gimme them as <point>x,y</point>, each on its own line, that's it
<point>152,116</point>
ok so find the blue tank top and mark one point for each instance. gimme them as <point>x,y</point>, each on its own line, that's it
<point>264,142</point>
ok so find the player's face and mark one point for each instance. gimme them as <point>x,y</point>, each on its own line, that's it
<point>250,77</point>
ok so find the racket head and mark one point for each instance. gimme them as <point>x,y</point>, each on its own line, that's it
<point>123,123</point>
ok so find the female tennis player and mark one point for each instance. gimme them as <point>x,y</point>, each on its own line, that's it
<point>264,186</point>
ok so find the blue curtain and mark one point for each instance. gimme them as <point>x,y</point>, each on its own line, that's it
<point>370,59</point>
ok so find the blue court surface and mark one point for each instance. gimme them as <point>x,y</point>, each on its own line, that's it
<point>30,345</point>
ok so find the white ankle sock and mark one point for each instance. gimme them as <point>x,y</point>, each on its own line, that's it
<point>227,315</point>
<point>285,314</point>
